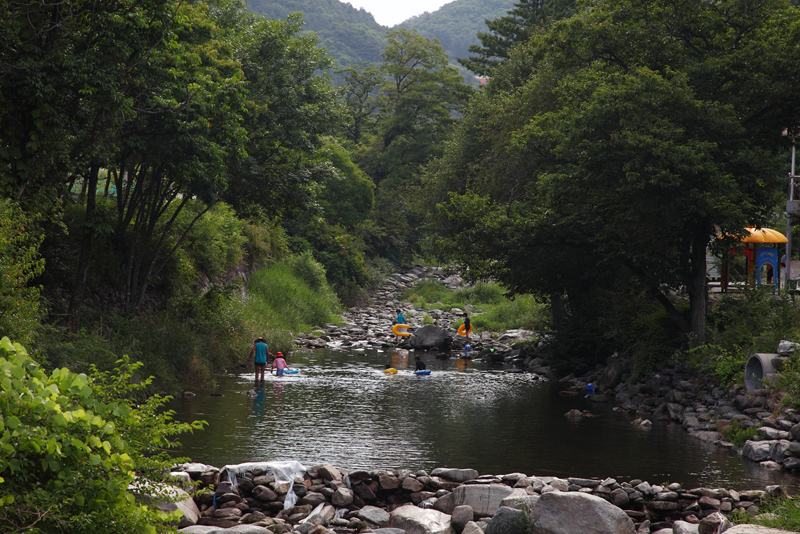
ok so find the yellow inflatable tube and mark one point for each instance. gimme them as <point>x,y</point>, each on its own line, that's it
<point>396,329</point>
<point>462,332</point>
<point>390,371</point>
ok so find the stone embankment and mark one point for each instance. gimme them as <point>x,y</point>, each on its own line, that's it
<point>677,394</point>
<point>248,499</point>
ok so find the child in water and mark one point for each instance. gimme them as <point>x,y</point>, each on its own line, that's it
<point>279,365</point>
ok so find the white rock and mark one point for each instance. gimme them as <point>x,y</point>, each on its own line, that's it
<point>415,520</point>
<point>484,499</point>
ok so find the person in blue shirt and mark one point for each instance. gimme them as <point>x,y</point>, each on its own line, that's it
<point>400,318</point>
<point>259,354</point>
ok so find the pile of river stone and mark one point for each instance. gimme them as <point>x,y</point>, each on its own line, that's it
<point>371,327</point>
<point>676,393</point>
<point>451,501</point>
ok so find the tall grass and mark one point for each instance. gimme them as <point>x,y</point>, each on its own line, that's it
<point>291,295</point>
<point>496,312</point>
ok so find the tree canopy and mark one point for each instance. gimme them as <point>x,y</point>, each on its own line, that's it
<point>616,144</point>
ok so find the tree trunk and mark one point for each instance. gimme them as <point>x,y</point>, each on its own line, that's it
<point>698,288</point>
<point>85,260</point>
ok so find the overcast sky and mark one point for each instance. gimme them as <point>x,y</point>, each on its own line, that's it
<point>391,12</point>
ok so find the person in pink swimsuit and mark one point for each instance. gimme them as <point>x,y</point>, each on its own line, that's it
<point>279,364</point>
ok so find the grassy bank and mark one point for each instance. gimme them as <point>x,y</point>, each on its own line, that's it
<point>490,310</point>
<point>201,333</point>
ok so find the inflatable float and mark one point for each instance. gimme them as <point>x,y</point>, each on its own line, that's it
<point>391,371</point>
<point>462,332</point>
<point>396,330</point>
<point>288,372</point>
<point>423,372</point>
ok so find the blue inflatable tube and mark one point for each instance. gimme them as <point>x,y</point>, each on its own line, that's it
<point>423,372</point>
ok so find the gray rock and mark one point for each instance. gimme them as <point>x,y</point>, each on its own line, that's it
<point>519,499</point>
<point>385,531</point>
<point>243,529</point>
<point>431,337</point>
<point>461,516</point>
<point>757,450</point>
<point>456,475</point>
<point>682,527</point>
<point>168,499</point>
<point>484,500</point>
<point>412,484</point>
<point>445,504</point>
<point>415,520</point>
<point>373,514</point>
<point>472,528</point>
<point>506,521</point>
<point>321,515</point>
<point>328,472</point>
<point>342,497</point>
<point>570,513</point>
<point>198,529</point>
<point>313,499</point>
<point>559,484</point>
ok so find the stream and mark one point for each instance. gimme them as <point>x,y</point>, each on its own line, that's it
<point>341,409</point>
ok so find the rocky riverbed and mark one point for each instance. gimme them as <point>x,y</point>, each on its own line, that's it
<point>259,498</point>
<point>371,327</point>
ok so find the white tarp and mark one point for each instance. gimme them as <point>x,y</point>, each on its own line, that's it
<point>284,473</point>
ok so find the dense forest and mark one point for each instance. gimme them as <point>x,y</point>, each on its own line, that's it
<point>178,178</point>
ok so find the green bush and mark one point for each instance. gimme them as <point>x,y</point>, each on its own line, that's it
<point>72,444</point>
<point>19,264</point>
<point>525,311</point>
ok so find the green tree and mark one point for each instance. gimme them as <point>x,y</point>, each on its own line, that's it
<point>290,104</point>
<point>617,144</point>
<point>19,265</point>
<point>72,444</point>
<point>516,27</point>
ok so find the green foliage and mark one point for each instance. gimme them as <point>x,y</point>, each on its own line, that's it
<point>790,382</point>
<point>347,197</point>
<point>515,27</point>
<point>726,364</point>
<point>350,35</point>
<point>458,25</point>
<point>524,311</point>
<point>215,242</point>
<point>737,434</point>
<point>499,312</point>
<point>616,147</point>
<point>72,444</point>
<point>265,243</point>
<point>291,295</point>
<point>740,324</point>
<point>782,514</point>
<point>19,264</point>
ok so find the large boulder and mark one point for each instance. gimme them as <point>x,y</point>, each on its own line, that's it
<point>374,515</point>
<point>456,475</point>
<point>430,337</point>
<point>415,520</point>
<point>758,451</point>
<point>167,498</point>
<point>507,521</point>
<point>568,513</point>
<point>484,499</point>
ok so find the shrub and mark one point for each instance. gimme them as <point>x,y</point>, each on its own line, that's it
<point>71,445</point>
<point>19,264</point>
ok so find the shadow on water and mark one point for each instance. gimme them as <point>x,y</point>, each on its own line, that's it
<point>343,410</point>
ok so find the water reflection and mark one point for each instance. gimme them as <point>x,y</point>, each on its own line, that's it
<point>343,410</point>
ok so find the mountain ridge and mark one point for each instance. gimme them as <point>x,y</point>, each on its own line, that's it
<point>352,36</point>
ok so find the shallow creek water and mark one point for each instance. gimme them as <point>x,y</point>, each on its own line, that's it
<point>341,409</point>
